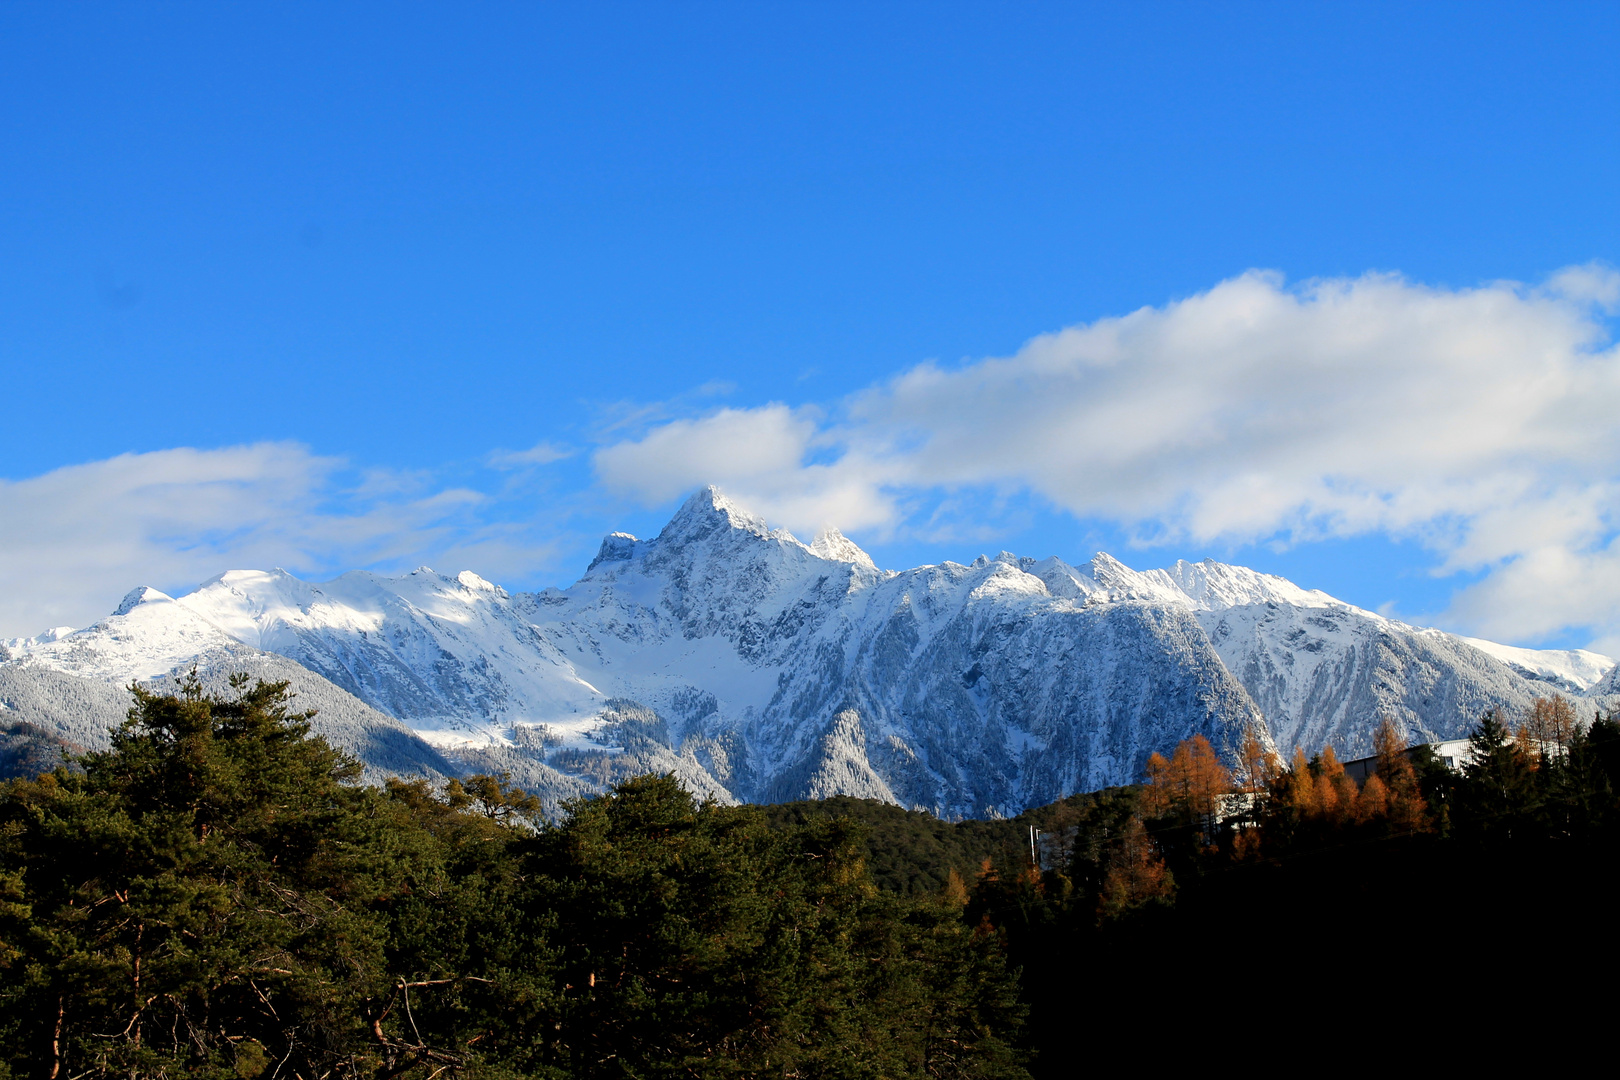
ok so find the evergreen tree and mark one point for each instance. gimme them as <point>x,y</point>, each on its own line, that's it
<point>214,895</point>
<point>1498,793</point>
<point>698,941</point>
<point>1603,747</point>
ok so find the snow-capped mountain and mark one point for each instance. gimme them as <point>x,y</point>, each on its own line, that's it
<point>1575,671</point>
<point>74,684</point>
<point>758,667</point>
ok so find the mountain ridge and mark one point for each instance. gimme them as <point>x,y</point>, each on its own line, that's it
<point>757,667</point>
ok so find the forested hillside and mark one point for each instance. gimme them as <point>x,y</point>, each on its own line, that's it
<point>215,896</point>
<point>1224,902</point>
<point>28,750</point>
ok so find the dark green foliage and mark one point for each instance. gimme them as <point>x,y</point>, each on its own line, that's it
<point>909,852</point>
<point>215,897</point>
<point>1498,792</point>
<point>212,891</point>
<point>700,941</point>
<point>1603,746</point>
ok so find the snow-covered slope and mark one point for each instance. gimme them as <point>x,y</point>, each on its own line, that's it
<point>1324,672</point>
<point>963,689</point>
<point>755,666</point>
<point>74,684</point>
<point>1572,670</point>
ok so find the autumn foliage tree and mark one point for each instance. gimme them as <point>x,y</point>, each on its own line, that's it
<point>1548,728</point>
<point>1136,874</point>
<point>1257,767</point>
<point>1336,793</point>
<point>1403,804</point>
<point>1189,785</point>
<point>1315,797</point>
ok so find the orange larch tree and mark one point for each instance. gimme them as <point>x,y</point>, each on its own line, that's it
<point>1548,727</point>
<point>1405,806</point>
<point>1299,788</point>
<point>1336,793</point>
<point>1257,767</point>
<point>1136,874</point>
<point>1373,802</point>
<point>1156,797</point>
<point>1189,785</point>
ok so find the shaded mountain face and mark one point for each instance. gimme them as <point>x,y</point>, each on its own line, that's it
<point>757,667</point>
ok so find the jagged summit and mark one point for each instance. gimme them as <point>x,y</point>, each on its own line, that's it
<point>1212,585</point>
<point>835,546</point>
<point>472,582</point>
<point>708,511</point>
<point>616,547</point>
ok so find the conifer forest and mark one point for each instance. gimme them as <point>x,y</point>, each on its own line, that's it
<point>217,895</point>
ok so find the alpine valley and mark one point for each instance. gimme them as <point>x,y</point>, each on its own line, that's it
<point>758,668</point>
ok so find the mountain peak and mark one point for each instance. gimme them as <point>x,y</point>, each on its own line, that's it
<point>835,546</point>
<point>1109,571</point>
<point>473,583</point>
<point>616,546</point>
<point>1213,586</point>
<point>707,512</point>
<point>144,594</point>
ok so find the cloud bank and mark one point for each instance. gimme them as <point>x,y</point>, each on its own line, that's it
<point>1480,422</point>
<point>75,539</point>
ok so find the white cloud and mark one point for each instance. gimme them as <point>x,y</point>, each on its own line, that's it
<point>542,453</point>
<point>1479,421</point>
<point>76,539</point>
<point>759,456</point>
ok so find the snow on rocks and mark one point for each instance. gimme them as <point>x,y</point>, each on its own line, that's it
<point>754,666</point>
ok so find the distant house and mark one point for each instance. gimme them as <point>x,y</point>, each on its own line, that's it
<point>1452,753</point>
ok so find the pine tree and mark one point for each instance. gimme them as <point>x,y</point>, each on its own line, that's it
<point>216,896</point>
<point>174,844</point>
<point>695,940</point>
<point>1497,795</point>
<point>1603,740</point>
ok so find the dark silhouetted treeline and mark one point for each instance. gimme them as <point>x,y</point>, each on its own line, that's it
<point>1226,900</point>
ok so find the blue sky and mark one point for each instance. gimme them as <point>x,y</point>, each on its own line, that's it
<point>434,262</point>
